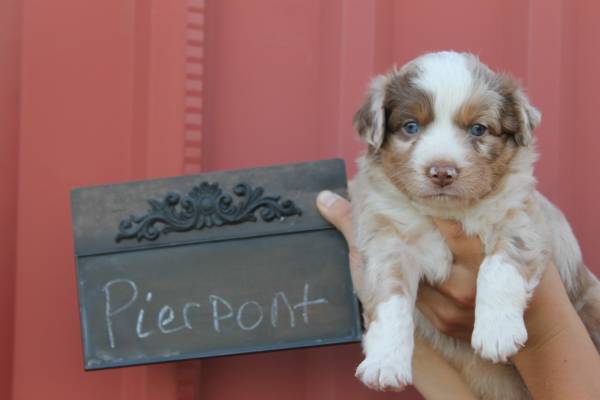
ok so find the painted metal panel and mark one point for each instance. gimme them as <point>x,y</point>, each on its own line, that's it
<point>103,99</point>
<point>10,33</point>
<point>101,102</point>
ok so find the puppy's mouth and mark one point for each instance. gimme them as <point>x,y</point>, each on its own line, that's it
<point>441,196</point>
<point>441,193</point>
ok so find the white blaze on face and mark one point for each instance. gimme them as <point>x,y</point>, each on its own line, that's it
<point>447,77</point>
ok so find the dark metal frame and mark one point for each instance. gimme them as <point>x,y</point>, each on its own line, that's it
<point>206,206</point>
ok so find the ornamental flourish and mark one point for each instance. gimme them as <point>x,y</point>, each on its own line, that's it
<point>206,206</point>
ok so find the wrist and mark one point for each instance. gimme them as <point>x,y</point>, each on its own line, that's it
<point>559,360</point>
<point>560,363</point>
<point>549,315</point>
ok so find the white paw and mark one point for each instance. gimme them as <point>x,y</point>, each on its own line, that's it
<point>499,338</point>
<point>385,373</point>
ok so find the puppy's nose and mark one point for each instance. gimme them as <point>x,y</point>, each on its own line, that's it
<point>442,174</point>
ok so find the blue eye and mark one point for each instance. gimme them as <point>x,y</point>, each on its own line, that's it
<point>411,128</point>
<point>477,130</point>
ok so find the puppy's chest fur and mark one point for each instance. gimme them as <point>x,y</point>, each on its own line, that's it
<point>390,226</point>
<point>511,216</point>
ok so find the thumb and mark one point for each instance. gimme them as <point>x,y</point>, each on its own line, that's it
<point>337,211</point>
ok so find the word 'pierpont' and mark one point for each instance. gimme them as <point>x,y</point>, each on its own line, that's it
<point>221,309</point>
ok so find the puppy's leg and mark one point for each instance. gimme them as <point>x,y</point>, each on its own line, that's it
<point>505,282</point>
<point>502,294</point>
<point>388,346</point>
<point>389,340</point>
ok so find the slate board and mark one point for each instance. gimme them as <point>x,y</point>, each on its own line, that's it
<point>211,264</point>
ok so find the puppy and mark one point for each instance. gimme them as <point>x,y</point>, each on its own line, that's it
<point>449,138</point>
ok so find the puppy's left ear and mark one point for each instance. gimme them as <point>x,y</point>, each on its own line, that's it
<point>529,118</point>
<point>519,117</point>
<point>369,120</point>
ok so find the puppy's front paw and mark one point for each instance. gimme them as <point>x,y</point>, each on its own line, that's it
<point>385,373</point>
<point>498,337</point>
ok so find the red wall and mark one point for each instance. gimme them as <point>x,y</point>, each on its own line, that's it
<point>114,90</point>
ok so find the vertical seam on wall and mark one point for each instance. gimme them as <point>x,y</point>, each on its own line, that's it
<point>141,90</point>
<point>188,373</point>
<point>339,122</point>
<point>561,92</point>
<point>16,187</point>
<point>529,41</point>
<point>133,382</point>
<point>194,86</point>
<point>559,87</point>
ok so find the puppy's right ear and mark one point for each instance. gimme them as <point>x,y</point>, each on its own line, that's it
<point>369,120</point>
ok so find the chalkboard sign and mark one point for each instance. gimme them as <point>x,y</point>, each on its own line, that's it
<point>212,264</point>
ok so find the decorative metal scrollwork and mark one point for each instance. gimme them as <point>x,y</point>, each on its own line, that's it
<point>206,206</point>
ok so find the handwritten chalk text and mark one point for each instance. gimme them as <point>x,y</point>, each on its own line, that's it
<point>248,316</point>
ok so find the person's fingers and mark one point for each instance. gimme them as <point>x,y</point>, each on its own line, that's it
<point>461,285</point>
<point>467,250</point>
<point>431,316</point>
<point>448,317</point>
<point>337,211</point>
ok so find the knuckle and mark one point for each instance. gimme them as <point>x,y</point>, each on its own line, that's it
<point>346,211</point>
<point>444,327</point>
<point>466,300</point>
<point>450,329</point>
<point>450,229</point>
<point>449,315</point>
<point>461,296</point>
<point>455,231</point>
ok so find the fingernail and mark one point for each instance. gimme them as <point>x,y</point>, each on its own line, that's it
<point>327,198</point>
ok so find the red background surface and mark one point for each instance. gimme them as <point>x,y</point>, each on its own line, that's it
<point>104,91</point>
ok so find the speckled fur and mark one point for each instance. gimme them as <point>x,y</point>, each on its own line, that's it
<point>494,198</point>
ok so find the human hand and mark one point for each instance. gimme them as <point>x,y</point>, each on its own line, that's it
<point>559,359</point>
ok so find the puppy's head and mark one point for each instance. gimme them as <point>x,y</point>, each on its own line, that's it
<point>446,128</point>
